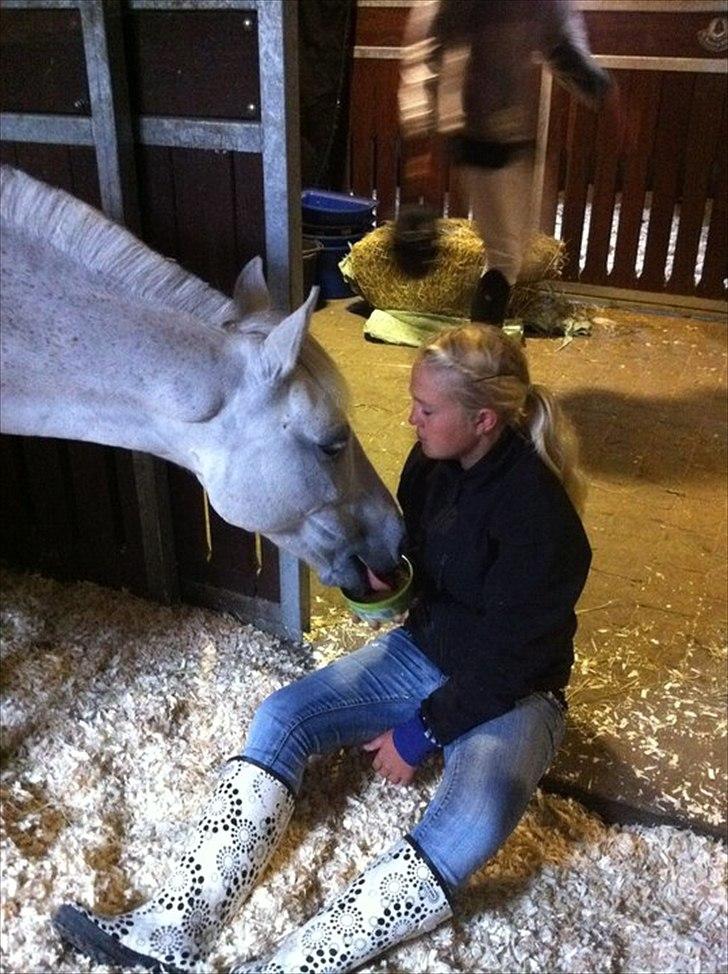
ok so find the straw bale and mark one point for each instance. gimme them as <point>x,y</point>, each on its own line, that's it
<point>448,288</point>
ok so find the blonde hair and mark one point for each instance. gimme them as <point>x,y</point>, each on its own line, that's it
<point>488,370</point>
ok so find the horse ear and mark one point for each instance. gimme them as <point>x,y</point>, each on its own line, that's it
<point>251,292</point>
<point>281,348</point>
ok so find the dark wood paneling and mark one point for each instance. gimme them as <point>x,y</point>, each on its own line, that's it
<point>381,26</point>
<point>715,267</point>
<point>605,176</point>
<point>202,208</point>
<point>644,99</point>
<point>580,161</point>
<point>42,66</point>
<point>227,559</point>
<point>700,155</point>
<point>193,63</point>
<point>668,159</point>
<point>649,33</point>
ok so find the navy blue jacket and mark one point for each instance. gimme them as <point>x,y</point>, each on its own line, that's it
<point>500,558</point>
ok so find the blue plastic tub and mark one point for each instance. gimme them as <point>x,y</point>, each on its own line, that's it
<point>321,207</point>
<point>328,275</point>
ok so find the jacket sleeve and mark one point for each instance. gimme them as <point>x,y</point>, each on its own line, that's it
<point>418,71</point>
<point>529,592</point>
<point>565,47</point>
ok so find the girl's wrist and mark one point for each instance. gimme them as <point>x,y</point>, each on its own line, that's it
<point>414,741</point>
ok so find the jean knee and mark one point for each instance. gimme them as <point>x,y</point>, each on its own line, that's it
<point>274,720</point>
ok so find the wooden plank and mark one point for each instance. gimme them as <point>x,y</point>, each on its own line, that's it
<point>155,188</point>
<point>204,211</point>
<point>380,26</point>
<point>649,33</point>
<point>132,573</point>
<point>668,156</point>
<point>171,72</point>
<point>15,510</point>
<point>715,266</point>
<point>386,138</point>
<point>50,495</point>
<point>269,578</point>
<point>95,511</point>
<point>234,564</point>
<point>582,124</point>
<point>362,111</point>
<point>643,107</point>
<point>188,516</point>
<point>249,223</point>
<point>701,148</point>
<point>608,162</point>
<point>42,66</point>
<point>8,154</point>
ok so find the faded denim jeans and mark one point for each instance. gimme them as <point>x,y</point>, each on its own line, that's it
<point>490,772</point>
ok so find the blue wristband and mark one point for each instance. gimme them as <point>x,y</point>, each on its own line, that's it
<point>412,741</point>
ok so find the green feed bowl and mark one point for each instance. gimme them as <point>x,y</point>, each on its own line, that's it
<point>385,606</point>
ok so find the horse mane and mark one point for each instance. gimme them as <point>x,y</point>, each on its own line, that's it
<point>98,245</point>
<point>94,242</point>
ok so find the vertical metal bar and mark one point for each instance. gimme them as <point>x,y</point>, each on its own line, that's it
<point>113,140</point>
<point>278,60</point>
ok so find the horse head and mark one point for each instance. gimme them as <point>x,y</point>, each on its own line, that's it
<point>280,457</point>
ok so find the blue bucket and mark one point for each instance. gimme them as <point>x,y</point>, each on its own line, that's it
<point>320,207</point>
<point>328,276</point>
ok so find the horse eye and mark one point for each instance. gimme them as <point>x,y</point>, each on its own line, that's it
<point>332,449</point>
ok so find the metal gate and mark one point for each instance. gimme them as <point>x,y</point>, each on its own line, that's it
<point>177,118</point>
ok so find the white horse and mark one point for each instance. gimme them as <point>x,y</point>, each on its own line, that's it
<point>107,341</point>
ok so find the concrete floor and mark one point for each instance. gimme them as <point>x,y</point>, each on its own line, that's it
<point>647,737</point>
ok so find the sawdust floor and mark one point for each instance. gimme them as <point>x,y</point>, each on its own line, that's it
<point>647,738</point>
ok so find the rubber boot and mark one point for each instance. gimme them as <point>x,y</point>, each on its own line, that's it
<point>228,850</point>
<point>490,299</point>
<point>396,898</point>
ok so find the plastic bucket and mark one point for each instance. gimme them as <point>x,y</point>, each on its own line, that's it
<point>323,208</point>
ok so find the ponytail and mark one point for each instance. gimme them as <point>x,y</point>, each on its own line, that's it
<point>554,440</point>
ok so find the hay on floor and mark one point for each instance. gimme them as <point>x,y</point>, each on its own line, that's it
<point>116,714</point>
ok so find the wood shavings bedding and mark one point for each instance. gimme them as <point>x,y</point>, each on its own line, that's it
<point>116,713</point>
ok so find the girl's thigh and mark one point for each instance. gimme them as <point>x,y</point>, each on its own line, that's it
<point>346,703</point>
<point>490,775</point>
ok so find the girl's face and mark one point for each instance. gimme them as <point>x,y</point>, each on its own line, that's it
<point>446,431</point>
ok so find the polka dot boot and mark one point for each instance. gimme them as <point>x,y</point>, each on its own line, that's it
<point>396,898</point>
<point>228,850</point>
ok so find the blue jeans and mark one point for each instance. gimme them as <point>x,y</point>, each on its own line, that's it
<point>490,772</point>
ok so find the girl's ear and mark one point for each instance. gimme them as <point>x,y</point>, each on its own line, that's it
<point>486,421</point>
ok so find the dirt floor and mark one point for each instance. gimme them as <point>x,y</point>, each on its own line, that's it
<point>647,740</point>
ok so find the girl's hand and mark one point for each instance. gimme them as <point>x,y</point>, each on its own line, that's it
<point>387,761</point>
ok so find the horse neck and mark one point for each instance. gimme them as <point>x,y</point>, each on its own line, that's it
<point>103,368</point>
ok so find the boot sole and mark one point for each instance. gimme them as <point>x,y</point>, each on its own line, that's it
<point>86,937</point>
